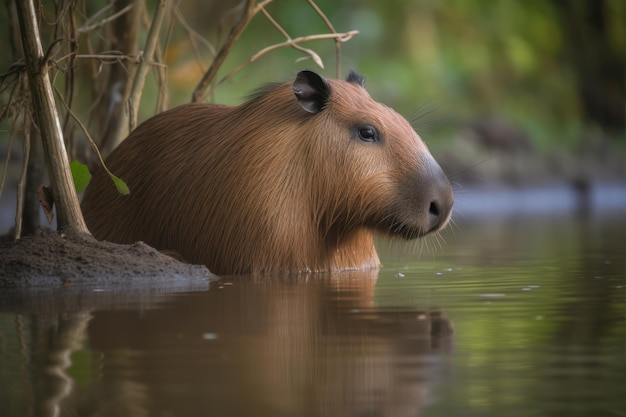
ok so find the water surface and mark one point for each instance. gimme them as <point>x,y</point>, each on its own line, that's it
<point>522,315</point>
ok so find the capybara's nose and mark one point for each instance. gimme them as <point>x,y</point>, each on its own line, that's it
<point>442,200</point>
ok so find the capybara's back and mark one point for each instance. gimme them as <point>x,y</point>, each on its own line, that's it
<point>295,179</point>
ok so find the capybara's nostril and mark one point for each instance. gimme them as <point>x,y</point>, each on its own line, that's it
<point>440,208</point>
<point>433,210</point>
<point>434,216</point>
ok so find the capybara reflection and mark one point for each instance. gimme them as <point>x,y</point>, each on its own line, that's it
<point>298,178</point>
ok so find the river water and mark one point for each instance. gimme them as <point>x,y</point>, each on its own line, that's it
<point>518,314</point>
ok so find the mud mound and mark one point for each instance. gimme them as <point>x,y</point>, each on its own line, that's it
<point>69,258</point>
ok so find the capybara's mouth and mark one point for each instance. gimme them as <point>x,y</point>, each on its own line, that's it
<point>406,231</point>
<point>409,231</point>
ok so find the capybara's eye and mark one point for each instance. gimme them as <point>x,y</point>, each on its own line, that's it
<point>368,134</point>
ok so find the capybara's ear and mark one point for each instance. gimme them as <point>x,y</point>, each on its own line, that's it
<point>312,91</point>
<point>356,78</point>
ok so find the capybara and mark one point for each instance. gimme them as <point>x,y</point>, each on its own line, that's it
<point>297,178</point>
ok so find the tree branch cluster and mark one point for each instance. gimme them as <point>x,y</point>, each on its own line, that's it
<point>108,60</point>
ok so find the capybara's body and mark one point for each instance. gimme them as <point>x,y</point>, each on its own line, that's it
<point>295,179</point>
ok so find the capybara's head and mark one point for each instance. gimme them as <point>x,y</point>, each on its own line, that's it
<point>369,166</point>
<point>296,178</point>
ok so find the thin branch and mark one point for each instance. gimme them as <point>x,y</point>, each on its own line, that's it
<point>275,23</point>
<point>22,182</point>
<point>341,37</point>
<point>160,69</point>
<point>140,77</point>
<point>87,27</point>
<point>314,56</point>
<point>71,38</point>
<point>247,14</point>
<point>9,107</point>
<point>332,29</point>
<point>15,69</point>
<point>8,157</point>
<point>111,56</point>
<point>193,34</point>
<point>99,13</point>
<point>87,135</point>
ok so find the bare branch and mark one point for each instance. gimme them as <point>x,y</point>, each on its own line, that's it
<point>8,158</point>
<point>89,27</point>
<point>21,187</point>
<point>113,56</point>
<point>203,90</point>
<point>193,34</point>
<point>260,6</point>
<point>314,56</point>
<point>68,209</point>
<point>87,135</point>
<point>98,14</point>
<point>247,14</point>
<point>142,70</point>
<point>332,29</point>
<point>341,37</point>
<point>160,69</point>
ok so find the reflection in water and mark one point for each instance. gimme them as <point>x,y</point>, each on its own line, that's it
<point>57,339</point>
<point>312,345</point>
<point>537,303</point>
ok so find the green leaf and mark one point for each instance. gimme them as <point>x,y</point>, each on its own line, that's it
<point>80,175</point>
<point>121,186</point>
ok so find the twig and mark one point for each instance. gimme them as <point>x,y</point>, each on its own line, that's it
<point>91,27</point>
<point>160,69</point>
<point>71,37</point>
<point>247,14</point>
<point>332,29</point>
<point>341,37</point>
<point>8,158</point>
<point>16,68</point>
<point>140,77</point>
<point>9,107</point>
<point>315,57</point>
<point>193,35</point>
<point>22,182</point>
<point>109,56</point>
<point>99,13</point>
<point>87,135</point>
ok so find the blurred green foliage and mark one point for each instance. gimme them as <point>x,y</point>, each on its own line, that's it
<point>556,69</point>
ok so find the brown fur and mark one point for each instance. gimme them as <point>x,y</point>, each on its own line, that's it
<point>268,186</point>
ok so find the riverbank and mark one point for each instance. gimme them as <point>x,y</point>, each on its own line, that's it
<point>67,259</point>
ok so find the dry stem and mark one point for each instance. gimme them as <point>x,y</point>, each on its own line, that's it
<point>315,57</point>
<point>44,108</point>
<point>332,29</point>
<point>21,187</point>
<point>341,37</point>
<point>142,70</point>
<point>88,26</point>
<point>160,68</point>
<point>88,136</point>
<point>247,14</point>
<point>204,88</point>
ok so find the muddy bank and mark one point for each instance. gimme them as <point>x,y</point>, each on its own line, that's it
<point>70,259</point>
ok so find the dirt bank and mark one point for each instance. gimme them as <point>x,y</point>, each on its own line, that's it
<point>67,259</point>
